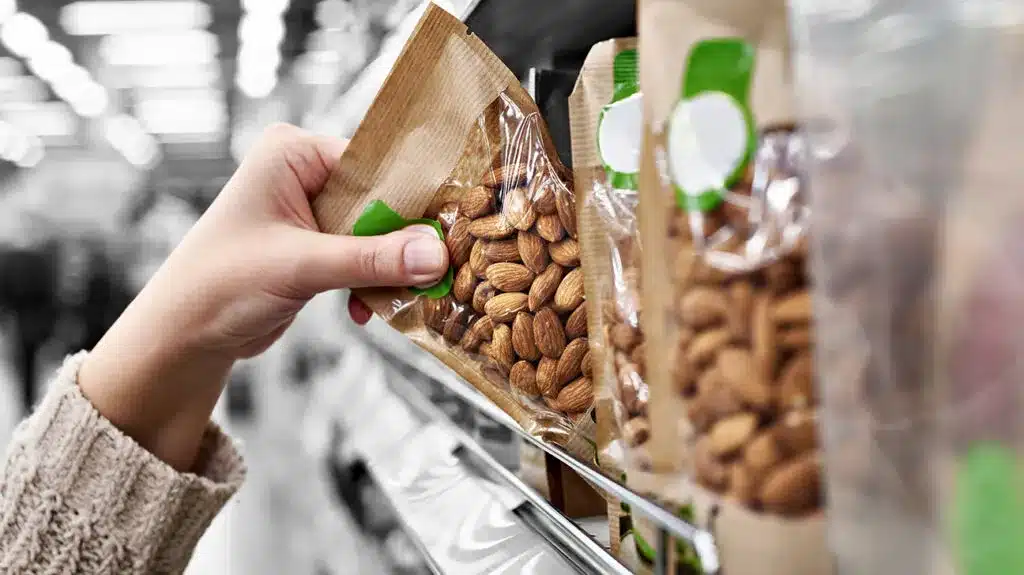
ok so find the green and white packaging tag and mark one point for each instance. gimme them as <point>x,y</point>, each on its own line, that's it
<point>711,134</point>
<point>620,125</point>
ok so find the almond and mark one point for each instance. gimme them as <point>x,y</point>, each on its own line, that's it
<point>762,454</point>
<point>501,347</point>
<point>477,202</point>
<point>543,195</point>
<point>518,209</point>
<point>501,250</point>
<point>565,205</point>
<point>492,227</point>
<point>739,371</point>
<point>742,487</point>
<point>569,294</point>
<point>576,325</point>
<point>435,311</point>
<point>570,364</point>
<point>795,308</point>
<point>797,432</point>
<point>636,431</point>
<point>796,383</point>
<point>549,227</point>
<point>547,378</point>
<point>741,298</point>
<point>464,285</point>
<point>762,337</point>
<point>483,328</point>
<point>565,253</point>
<point>506,176</point>
<point>548,333</point>
<point>503,307</point>
<point>795,338</point>
<point>455,325</point>
<point>709,470</point>
<point>523,378</point>
<point>532,251</point>
<point>782,276</point>
<point>586,367</point>
<point>730,434</point>
<point>705,345</point>
<point>522,337</point>
<point>459,242</point>
<point>471,340</point>
<point>477,261</point>
<point>576,397</point>
<point>509,277</point>
<point>545,286</point>
<point>483,293</point>
<point>794,487</point>
<point>701,307</point>
<point>624,337</point>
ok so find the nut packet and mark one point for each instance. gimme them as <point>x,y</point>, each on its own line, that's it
<point>605,118</point>
<point>726,309</point>
<point>453,139</point>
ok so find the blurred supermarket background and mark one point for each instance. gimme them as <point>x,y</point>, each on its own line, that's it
<point>120,121</point>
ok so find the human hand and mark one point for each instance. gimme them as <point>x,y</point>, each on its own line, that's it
<point>233,286</point>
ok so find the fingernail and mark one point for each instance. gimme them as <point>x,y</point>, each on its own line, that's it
<point>423,229</point>
<point>424,259</point>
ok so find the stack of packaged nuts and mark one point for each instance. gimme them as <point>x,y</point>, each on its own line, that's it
<point>453,139</point>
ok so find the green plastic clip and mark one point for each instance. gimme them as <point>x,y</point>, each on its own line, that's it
<point>379,219</point>
<point>725,66</point>
<point>990,511</point>
<point>626,79</point>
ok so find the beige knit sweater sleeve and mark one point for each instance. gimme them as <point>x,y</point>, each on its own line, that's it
<point>77,496</point>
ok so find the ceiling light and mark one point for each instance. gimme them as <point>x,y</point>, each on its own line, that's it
<point>275,7</point>
<point>174,76</point>
<point>50,60</point>
<point>260,28</point>
<point>23,34</point>
<point>7,9</point>
<point>256,84</point>
<point>90,101</point>
<point>10,66</point>
<point>31,158</point>
<point>44,119</point>
<point>262,58</point>
<point>102,18</point>
<point>188,47</point>
<point>21,89</point>
<point>180,116</point>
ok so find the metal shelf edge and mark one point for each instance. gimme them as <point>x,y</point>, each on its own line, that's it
<point>401,350</point>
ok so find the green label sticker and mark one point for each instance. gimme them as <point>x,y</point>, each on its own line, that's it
<point>711,134</point>
<point>990,511</point>
<point>378,219</point>
<point>620,125</point>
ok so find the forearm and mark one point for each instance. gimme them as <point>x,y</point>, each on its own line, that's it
<point>150,381</point>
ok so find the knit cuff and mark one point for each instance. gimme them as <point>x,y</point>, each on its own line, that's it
<point>78,482</point>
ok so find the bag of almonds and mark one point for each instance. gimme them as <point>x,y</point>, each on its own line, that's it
<point>726,309</point>
<point>453,140</point>
<point>605,114</point>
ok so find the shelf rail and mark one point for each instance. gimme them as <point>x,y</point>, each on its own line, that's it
<point>668,524</point>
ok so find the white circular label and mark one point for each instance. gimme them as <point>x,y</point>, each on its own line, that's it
<point>707,141</point>
<point>620,134</point>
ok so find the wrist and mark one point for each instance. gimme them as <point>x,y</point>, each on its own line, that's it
<point>153,383</point>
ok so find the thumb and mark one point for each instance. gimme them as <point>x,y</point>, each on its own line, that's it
<point>414,256</point>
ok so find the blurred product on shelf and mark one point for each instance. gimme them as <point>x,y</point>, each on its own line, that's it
<point>730,429</point>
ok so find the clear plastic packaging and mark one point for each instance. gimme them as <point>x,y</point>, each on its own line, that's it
<point>454,141</point>
<point>913,118</point>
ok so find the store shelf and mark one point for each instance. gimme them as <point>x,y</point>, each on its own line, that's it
<point>399,349</point>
